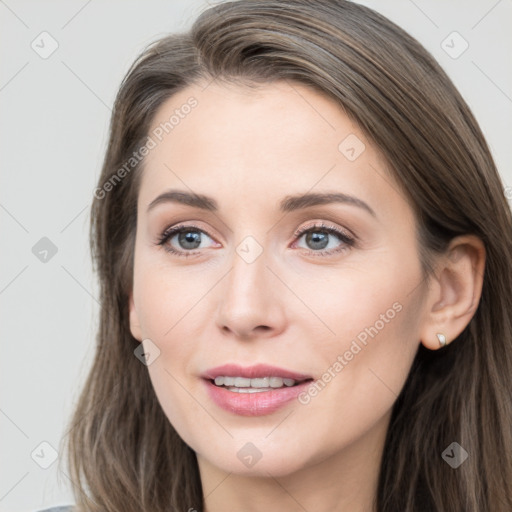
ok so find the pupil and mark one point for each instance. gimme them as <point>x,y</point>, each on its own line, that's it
<point>189,237</point>
<point>317,238</point>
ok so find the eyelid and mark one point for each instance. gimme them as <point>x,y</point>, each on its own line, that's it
<point>185,225</point>
<point>322,225</point>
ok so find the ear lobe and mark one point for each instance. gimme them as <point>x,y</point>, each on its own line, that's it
<point>455,291</point>
<point>134,320</point>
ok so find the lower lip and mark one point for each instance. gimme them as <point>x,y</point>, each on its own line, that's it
<point>253,404</point>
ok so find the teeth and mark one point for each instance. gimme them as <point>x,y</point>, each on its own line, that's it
<point>276,382</point>
<point>252,385</point>
<point>260,383</point>
<point>248,390</point>
<point>240,382</point>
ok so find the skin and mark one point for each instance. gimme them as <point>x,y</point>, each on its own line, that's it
<point>248,149</point>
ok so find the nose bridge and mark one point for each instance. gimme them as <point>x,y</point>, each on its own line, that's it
<point>248,277</point>
<point>249,299</point>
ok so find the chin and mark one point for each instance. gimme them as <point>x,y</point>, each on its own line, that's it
<point>256,458</point>
<point>275,465</point>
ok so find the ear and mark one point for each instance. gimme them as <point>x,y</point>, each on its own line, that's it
<point>134,320</point>
<point>454,291</point>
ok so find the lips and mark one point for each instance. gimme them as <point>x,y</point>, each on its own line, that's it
<point>253,372</point>
<point>245,401</point>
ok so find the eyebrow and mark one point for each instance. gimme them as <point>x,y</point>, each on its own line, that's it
<point>287,204</point>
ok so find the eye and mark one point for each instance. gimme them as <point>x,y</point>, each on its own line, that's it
<point>189,237</point>
<point>318,236</point>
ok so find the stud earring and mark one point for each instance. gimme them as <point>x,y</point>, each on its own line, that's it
<point>442,339</point>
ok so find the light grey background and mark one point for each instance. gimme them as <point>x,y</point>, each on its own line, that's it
<point>54,118</point>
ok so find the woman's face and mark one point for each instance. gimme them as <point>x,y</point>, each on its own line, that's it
<point>318,289</point>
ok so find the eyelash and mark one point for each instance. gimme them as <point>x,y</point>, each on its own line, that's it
<point>346,239</point>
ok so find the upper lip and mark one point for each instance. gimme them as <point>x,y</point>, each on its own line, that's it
<point>253,372</point>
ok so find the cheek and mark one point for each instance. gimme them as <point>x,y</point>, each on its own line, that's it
<point>178,401</point>
<point>370,326</point>
<point>164,306</point>
<point>164,296</point>
<point>166,315</point>
<point>364,370</point>
<point>357,304</point>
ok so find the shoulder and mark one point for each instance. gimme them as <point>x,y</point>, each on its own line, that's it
<point>62,508</point>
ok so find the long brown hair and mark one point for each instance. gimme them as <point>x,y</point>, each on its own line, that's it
<point>124,455</point>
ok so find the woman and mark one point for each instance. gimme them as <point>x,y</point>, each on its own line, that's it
<point>304,250</point>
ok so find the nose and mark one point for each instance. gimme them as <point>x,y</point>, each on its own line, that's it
<point>250,304</point>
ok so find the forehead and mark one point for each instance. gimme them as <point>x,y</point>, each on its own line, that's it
<point>273,105</point>
<point>277,136</point>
